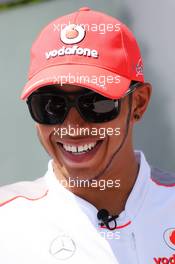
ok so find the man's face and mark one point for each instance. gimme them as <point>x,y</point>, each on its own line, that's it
<point>101,147</point>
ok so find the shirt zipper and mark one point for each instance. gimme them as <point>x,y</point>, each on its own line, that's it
<point>134,247</point>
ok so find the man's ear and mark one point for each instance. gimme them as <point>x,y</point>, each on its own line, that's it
<point>141,98</point>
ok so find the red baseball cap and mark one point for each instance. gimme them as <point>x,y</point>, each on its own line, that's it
<point>85,48</point>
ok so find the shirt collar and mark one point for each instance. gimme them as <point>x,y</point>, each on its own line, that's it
<point>57,189</point>
<point>137,196</point>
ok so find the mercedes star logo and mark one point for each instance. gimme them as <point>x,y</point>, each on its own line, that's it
<point>62,247</point>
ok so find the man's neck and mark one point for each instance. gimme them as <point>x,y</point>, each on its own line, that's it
<point>112,198</point>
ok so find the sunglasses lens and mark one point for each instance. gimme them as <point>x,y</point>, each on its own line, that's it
<point>47,108</point>
<point>97,108</point>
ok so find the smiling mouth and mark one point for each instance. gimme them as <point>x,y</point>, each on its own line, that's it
<point>79,149</point>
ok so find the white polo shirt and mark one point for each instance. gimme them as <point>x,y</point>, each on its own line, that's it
<point>41,222</point>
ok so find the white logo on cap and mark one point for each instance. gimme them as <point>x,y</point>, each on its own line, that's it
<point>72,34</point>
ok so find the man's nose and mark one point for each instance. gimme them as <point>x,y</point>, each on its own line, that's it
<point>74,119</point>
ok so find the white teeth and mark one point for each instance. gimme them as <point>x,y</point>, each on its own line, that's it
<point>86,147</point>
<point>74,149</point>
<point>79,149</point>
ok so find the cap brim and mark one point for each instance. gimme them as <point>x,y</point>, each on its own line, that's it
<point>100,80</point>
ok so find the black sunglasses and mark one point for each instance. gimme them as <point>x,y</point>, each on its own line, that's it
<point>51,108</point>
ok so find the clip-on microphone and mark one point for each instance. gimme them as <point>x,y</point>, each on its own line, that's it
<point>103,215</point>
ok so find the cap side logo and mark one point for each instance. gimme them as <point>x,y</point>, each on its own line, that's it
<point>72,34</point>
<point>139,68</point>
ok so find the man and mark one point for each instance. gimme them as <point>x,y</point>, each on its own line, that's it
<point>100,201</point>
